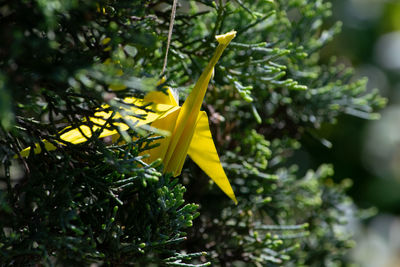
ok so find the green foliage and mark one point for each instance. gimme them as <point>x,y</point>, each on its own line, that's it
<point>88,207</point>
<point>99,202</point>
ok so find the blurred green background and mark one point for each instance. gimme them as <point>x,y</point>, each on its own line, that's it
<point>368,151</point>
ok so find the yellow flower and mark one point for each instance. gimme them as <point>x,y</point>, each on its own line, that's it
<point>188,128</point>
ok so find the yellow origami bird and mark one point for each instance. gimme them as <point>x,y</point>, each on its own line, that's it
<point>188,127</point>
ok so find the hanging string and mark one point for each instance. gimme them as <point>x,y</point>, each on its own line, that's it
<point>171,26</point>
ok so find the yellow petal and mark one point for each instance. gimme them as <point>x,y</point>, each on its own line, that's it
<point>202,151</point>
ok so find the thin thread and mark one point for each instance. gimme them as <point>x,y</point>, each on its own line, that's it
<point>171,26</point>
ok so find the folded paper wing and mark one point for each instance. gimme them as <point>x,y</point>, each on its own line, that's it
<point>84,132</point>
<point>203,152</point>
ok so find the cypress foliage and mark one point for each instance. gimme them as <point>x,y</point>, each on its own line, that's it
<point>99,202</point>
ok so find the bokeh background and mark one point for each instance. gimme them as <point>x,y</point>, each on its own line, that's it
<point>368,151</point>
